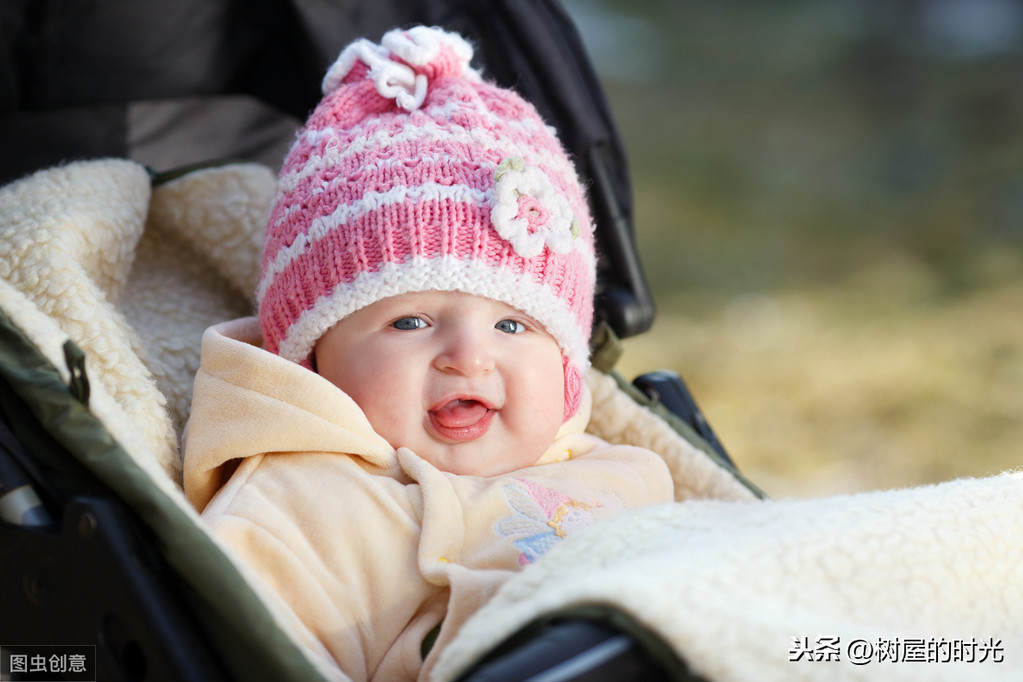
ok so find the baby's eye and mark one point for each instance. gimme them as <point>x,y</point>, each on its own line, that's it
<point>510,326</point>
<point>409,323</point>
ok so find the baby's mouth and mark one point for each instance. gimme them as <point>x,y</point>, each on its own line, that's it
<point>461,419</point>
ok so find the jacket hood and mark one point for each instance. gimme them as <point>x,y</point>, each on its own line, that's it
<point>248,402</point>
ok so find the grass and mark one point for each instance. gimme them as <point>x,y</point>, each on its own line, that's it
<point>830,214</point>
<point>817,392</point>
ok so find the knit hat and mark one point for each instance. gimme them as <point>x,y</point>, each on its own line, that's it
<point>414,174</point>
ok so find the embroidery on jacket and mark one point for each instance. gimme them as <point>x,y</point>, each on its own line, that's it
<point>543,515</point>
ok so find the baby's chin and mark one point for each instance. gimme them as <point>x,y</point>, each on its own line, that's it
<point>464,461</point>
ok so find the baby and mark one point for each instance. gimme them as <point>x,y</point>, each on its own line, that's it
<point>403,427</point>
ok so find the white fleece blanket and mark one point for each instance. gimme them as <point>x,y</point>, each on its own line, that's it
<point>90,252</point>
<point>917,584</point>
<point>134,276</point>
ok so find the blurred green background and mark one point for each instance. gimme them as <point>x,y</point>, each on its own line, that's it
<point>829,208</point>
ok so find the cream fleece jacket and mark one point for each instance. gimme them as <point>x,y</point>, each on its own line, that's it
<point>368,548</point>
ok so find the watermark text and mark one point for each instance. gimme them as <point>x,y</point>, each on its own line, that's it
<point>831,649</point>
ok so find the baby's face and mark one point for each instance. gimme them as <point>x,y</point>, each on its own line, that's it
<point>471,385</point>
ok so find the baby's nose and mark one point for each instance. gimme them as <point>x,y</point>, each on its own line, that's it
<point>466,352</point>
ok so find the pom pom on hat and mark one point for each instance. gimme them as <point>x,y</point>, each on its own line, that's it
<point>414,174</point>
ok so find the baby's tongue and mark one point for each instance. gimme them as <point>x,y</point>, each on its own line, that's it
<point>459,413</point>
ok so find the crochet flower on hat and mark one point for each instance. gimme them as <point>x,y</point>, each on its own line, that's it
<point>528,212</point>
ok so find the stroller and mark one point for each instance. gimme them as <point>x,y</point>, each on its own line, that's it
<point>97,549</point>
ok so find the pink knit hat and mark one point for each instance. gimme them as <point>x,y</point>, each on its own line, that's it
<point>413,174</point>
